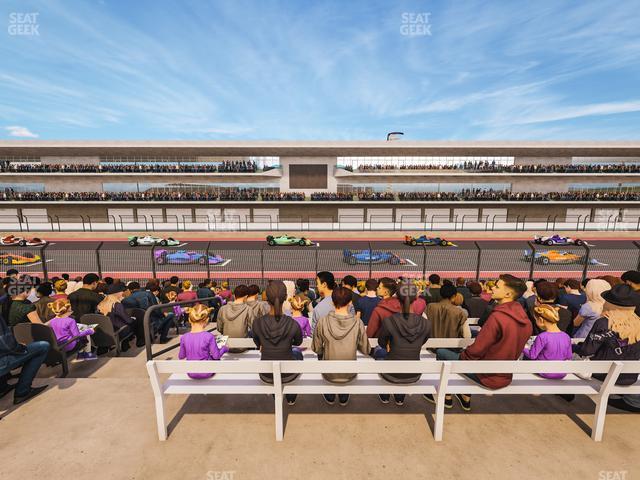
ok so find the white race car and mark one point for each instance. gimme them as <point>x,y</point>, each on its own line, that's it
<point>148,240</point>
<point>557,240</point>
<point>11,240</point>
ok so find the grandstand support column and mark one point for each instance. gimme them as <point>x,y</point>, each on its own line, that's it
<point>478,261</point>
<point>43,256</point>
<point>533,259</point>
<point>98,263</point>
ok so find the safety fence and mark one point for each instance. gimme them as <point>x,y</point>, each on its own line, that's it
<point>257,264</point>
<point>235,223</point>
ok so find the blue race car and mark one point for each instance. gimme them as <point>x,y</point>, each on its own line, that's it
<point>163,256</point>
<point>353,257</point>
<point>557,240</point>
<point>427,241</point>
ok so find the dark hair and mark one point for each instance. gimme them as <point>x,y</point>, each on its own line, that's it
<point>45,289</point>
<point>253,290</point>
<point>407,294</point>
<point>302,284</point>
<point>390,284</point>
<point>174,280</point>
<point>11,271</point>
<point>241,291</point>
<point>152,286</point>
<point>434,278</point>
<point>371,284</point>
<point>547,291</point>
<point>276,293</point>
<point>205,283</point>
<point>133,286</point>
<point>90,278</point>
<point>475,288</point>
<point>101,287</point>
<point>328,278</point>
<point>573,284</point>
<point>515,284</point>
<point>446,281</point>
<point>108,280</point>
<point>610,279</point>
<point>539,281</point>
<point>448,291</point>
<point>350,281</point>
<point>341,296</point>
<point>65,276</point>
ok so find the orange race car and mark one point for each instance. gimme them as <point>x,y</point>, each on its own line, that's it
<point>556,257</point>
<point>19,258</point>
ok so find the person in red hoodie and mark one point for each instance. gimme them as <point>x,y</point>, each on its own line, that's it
<point>502,337</point>
<point>389,305</point>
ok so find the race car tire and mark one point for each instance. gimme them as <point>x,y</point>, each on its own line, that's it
<point>133,243</point>
<point>549,242</point>
<point>578,242</point>
<point>8,261</point>
<point>302,242</point>
<point>161,260</point>
<point>22,243</point>
<point>443,243</point>
<point>352,260</point>
<point>202,260</point>
<point>413,242</point>
<point>163,243</point>
<point>545,261</point>
<point>271,242</point>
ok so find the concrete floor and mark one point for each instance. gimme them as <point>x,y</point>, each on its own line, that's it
<point>100,423</point>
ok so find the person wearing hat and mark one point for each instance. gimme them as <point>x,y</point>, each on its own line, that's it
<point>616,334</point>
<point>113,308</point>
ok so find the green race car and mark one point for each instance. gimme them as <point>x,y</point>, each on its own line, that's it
<point>148,241</point>
<point>288,240</point>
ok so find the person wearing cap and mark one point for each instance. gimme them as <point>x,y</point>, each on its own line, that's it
<point>447,320</point>
<point>616,334</point>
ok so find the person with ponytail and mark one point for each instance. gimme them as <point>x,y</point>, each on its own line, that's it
<point>199,344</point>
<point>276,334</point>
<point>65,328</point>
<point>551,343</point>
<point>402,336</point>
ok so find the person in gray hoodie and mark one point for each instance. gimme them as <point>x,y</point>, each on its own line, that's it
<point>338,336</point>
<point>235,318</point>
<point>258,306</point>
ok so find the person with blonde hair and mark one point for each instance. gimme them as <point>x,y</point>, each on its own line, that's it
<point>60,287</point>
<point>551,343</point>
<point>186,293</point>
<point>298,304</point>
<point>199,344</point>
<point>591,310</point>
<point>66,328</point>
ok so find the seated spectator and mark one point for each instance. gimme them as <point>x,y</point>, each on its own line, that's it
<point>432,292</point>
<point>611,280</point>
<point>325,284</point>
<point>368,302</point>
<point>388,305</point>
<point>257,306</point>
<point>551,343</point>
<point>458,301</point>
<point>13,355</point>
<point>225,292</point>
<point>502,337</point>
<point>547,294</point>
<point>44,292</point>
<point>338,336</point>
<point>66,328</point>
<point>137,298</point>
<point>85,299</point>
<point>276,334</point>
<point>302,286</point>
<point>112,307</point>
<point>351,282</point>
<point>616,334</point>
<point>187,294</point>
<point>447,320</point>
<point>572,297</point>
<point>487,290</point>
<point>174,286</point>
<point>475,304</point>
<point>198,344</point>
<point>591,310</point>
<point>16,308</point>
<point>462,287</point>
<point>235,318</point>
<point>298,303</point>
<point>60,287</point>
<point>402,335</point>
<point>205,290</point>
<point>161,319</point>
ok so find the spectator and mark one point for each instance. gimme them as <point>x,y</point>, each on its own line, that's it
<point>325,284</point>
<point>632,278</point>
<point>551,343</point>
<point>60,286</point>
<point>187,294</point>
<point>502,337</point>
<point>547,294</point>
<point>463,289</point>
<point>611,280</point>
<point>205,290</point>
<point>44,292</point>
<point>85,299</point>
<point>112,307</point>
<point>302,285</point>
<point>402,335</point>
<point>338,336</point>
<point>368,302</point>
<point>66,328</point>
<point>298,303</point>
<point>226,293</point>
<point>475,305</point>
<point>257,306</point>
<point>73,285</point>
<point>447,320</point>
<point>14,355</point>
<point>276,334</point>
<point>161,319</point>
<point>174,286</point>
<point>198,344</point>
<point>487,293</point>
<point>235,318</point>
<point>137,298</point>
<point>351,282</point>
<point>591,310</point>
<point>432,293</point>
<point>572,297</point>
<point>16,308</point>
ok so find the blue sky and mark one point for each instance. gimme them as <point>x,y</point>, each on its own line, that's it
<point>118,69</point>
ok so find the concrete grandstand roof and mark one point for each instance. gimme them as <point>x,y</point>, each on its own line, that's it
<point>525,148</point>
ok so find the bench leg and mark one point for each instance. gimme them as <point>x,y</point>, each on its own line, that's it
<point>597,430</point>
<point>162,424</point>
<point>279,416</point>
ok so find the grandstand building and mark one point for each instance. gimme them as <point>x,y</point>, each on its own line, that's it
<point>311,179</point>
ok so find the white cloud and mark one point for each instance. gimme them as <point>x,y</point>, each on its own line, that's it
<point>16,131</point>
<point>610,108</point>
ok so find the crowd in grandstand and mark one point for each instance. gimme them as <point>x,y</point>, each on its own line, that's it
<point>226,166</point>
<point>495,167</point>
<point>281,196</point>
<point>494,195</point>
<point>333,197</point>
<point>339,318</point>
<point>227,194</point>
<point>382,196</point>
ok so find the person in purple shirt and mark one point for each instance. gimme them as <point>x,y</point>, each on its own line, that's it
<point>66,328</point>
<point>552,343</point>
<point>298,304</point>
<point>200,344</point>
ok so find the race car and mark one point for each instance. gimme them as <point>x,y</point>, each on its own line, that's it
<point>557,257</point>
<point>353,257</point>
<point>19,259</point>
<point>148,240</point>
<point>163,257</point>
<point>288,240</point>
<point>427,241</point>
<point>557,240</point>
<point>11,240</point>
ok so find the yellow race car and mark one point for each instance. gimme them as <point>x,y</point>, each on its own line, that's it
<point>19,258</point>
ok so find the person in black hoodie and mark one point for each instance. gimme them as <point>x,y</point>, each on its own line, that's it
<point>403,335</point>
<point>276,334</point>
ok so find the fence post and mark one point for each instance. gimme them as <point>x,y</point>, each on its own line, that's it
<point>208,265</point>
<point>524,223</point>
<point>533,259</point>
<point>586,261</point>
<point>478,261</point>
<point>153,261</point>
<point>317,247</point>
<point>424,262</point>
<point>45,271</point>
<point>98,263</point>
<point>262,264</point>
<point>370,254</point>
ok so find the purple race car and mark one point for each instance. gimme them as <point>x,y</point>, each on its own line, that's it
<point>163,256</point>
<point>557,240</point>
